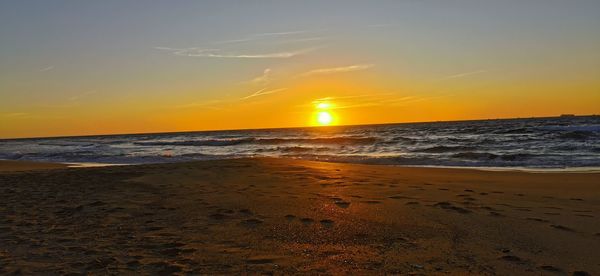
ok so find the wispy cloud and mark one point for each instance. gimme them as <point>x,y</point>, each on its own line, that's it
<point>217,53</point>
<point>262,92</point>
<point>462,75</point>
<point>333,70</point>
<point>263,36</point>
<point>283,33</point>
<point>15,115</point>
<point>374,99</point>
<point>354,101</point>
<point>47,68</point>
<point>263,79</point>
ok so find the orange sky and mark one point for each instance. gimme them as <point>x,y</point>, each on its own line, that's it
<point>96,69</point>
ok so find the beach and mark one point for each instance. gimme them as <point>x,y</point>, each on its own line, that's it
<point>287,216</point>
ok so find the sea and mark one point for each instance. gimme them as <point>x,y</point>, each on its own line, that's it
<point>546,143</point>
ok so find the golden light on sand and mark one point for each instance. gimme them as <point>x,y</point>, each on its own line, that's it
<point>324,118</point>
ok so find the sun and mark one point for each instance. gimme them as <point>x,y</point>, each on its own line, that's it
<point>324,118</point>
<point>323,115</point>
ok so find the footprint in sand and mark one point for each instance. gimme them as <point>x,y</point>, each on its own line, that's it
<point>165,268</point>
<point>327,223</point>
<point>448,206</point>
<point>512,259</point>
<point>260,260</point>
<point>400,197</point>
<point>226,211</point>
<point>538,219</point>
<point>550,268</point>
<point>218,216</point>
<point>246,212</point>
<point>153,228</point>
<point>561,227</point>
<point>342,204</point>
<point>96,203</point>
<point>252,222</point>
<point>290,217</point>
<point>307,221</point>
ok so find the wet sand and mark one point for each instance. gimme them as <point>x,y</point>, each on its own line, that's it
<point>288,216</point>
<point>14,166</point>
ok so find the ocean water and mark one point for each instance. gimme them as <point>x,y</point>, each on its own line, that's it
<point>565,142</point>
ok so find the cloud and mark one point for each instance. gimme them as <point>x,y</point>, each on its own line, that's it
<point>462,75</point>
<point>374,99</point>
<point>263,79</point>
<point>354,101</point>
<point>15,115</point>
<point>47,69</point>
<point>264,36</point>
<point>217,53</point>
<point>262,92</point>
<point>333,70</point>
<point>283,33</point>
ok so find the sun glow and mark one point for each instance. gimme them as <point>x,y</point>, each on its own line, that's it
<point>323,115</point>
<point>324,118</point>
<point>323,105</point>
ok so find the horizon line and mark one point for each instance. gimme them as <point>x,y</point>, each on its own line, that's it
<point>291,127</point>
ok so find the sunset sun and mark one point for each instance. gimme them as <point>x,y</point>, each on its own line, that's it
<point>324,118</point>
<point>323,115</point>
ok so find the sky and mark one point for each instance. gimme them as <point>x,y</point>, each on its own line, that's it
<point>125,66</point>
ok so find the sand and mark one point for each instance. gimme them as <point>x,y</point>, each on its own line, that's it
<point>12,166</point>
<point>288,216</point>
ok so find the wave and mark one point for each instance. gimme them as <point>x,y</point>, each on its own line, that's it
<point>520,130</point>
<point>578,135</point>
<point>209,142</point>
<point>320,141</point>
<point>301,149</point>
<point>265,141</point>
<point>442,149</point>
<point>590,128</point>
<point>492,156</point>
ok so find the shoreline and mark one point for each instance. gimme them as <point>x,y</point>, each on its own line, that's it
<point>594,169</point>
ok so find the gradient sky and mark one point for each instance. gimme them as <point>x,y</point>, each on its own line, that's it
<point>100,67</point>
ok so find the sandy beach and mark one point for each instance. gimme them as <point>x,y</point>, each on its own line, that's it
<point>286,216</point>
